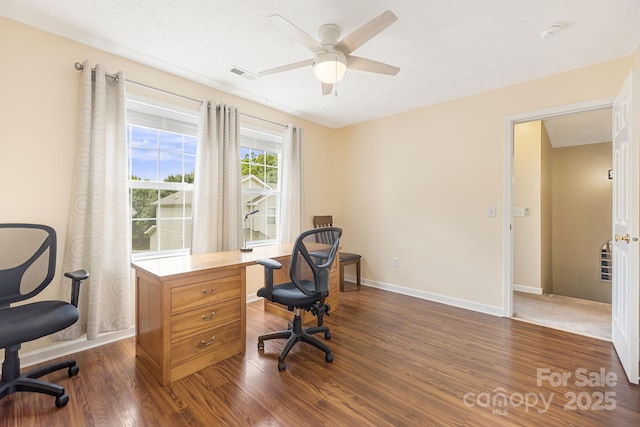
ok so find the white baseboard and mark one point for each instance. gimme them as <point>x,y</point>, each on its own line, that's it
<point>527,289</point>
<point>452,301</point>
<point>252,297</point>
<point>64,348</point>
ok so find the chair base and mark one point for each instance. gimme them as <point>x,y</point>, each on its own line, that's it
<point>13,382</point>
<point>293,335</point>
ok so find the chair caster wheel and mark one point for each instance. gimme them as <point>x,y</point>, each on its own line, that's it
<point>327,335</point>
<point>260,345</point>
<point>73,371</point>
<point>62,400</point>
<point>281,365</point>
<point>329,357</point>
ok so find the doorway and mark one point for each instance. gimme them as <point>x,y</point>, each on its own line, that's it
<point>562,222</point>
<point>532,297</point>
<point>625,312</point>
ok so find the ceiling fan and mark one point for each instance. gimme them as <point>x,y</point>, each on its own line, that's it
<point>332,57</point>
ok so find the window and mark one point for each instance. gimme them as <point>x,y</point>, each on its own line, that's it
<point>260,154</point>
<point>162,151</point>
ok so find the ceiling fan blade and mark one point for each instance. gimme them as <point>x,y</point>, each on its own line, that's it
<point>287,67</point>
<point>363,64</point>
<point>327,88</point>
<point>309,42</point>
<point>366,32</point>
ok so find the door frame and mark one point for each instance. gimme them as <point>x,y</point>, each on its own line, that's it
<point>508,167</point>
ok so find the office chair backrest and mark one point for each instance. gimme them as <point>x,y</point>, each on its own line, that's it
<point>27,260</point>
<point>312,257</point>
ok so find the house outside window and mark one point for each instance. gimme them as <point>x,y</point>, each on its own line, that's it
<point>260,159</point>
<point>162,144</point>
<point>162,149</point>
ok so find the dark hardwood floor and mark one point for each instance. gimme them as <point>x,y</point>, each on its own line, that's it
<point>399,361</point>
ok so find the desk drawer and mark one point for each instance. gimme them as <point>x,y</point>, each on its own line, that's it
<point>205,293</point>
<point>204,342</point>
<point>201,319</point>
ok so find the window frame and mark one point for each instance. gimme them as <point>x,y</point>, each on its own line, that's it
<point>163,117</point>
<point>271,142</point>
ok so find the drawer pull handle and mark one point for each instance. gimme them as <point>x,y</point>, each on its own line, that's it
<point>209,317</point>
<point>207,343</point>
<point>206,292</point>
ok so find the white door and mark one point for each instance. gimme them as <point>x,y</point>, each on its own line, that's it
<point>625,303</point>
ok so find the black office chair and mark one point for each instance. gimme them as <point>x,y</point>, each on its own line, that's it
<point>27,266</point>
<point>313,254</point>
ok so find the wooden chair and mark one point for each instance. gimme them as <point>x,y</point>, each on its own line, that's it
<point>345,257</point>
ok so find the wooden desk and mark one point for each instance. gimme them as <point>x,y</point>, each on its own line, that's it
<point>191,310</point>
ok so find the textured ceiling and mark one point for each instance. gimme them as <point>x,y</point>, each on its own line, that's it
<point>445,49</point>
<point>588,127</point>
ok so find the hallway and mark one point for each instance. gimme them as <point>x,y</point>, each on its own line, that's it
<point>583,317</point>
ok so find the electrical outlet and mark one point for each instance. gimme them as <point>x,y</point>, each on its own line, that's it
<point>396,263</point>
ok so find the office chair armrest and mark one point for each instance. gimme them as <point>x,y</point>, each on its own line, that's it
<point>269,265</point>
<point>76,278</point>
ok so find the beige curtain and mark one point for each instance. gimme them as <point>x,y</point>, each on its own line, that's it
<point>292,196</point>
<point>217,197</point>
<point>98,236</point>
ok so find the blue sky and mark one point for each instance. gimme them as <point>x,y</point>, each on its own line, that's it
<point>157,154</point>
<point>149,146</point>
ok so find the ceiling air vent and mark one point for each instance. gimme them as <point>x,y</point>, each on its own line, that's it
<point>244,73</point>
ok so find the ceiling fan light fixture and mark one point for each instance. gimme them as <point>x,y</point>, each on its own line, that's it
<point>330,67</point>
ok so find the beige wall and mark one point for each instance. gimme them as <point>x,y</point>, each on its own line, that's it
<point>546,212</point>
<point>556,247</point>
<point>636,119</point>
<point>38,110</point>
<point>532,178</point>
<point>417,185</point>
<point>527,190</point>
<point>581,219</point>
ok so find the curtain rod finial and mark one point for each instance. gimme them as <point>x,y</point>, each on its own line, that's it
<point>78,66</point>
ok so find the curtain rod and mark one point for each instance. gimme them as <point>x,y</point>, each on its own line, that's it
<point>78,66</point>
